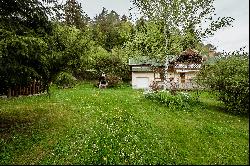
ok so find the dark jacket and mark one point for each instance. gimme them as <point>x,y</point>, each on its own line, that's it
<point>102,80</point>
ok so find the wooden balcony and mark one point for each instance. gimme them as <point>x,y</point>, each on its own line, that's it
<point>189,66</point>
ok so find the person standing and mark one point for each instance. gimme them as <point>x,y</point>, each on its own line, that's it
<point>102,81</point>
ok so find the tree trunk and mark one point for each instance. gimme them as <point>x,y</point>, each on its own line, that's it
<point>9,92</point>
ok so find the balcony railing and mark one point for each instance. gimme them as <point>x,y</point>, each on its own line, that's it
<point>190,66</point>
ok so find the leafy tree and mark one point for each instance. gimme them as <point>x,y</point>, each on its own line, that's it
<point>113,63</point>
<point>25,17</point>
<point>229,76</point>
<point>207,50</point>
<point>31,47</point>
<point>179,17</point>
<point>148,40</point>
<point>125,32</point>
<point>23,25</point>
<point>21,60</point>
<point>124,18</point>
<point>68,49</point>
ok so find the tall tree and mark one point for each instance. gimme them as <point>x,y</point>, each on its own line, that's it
<point>109,29</point>
<point>182,16</point>
<point>74,14</point>
<point>23,26</point>
<point>25,16</point>
<point>32,47</point>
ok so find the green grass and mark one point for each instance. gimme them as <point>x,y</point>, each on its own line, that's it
<point>86,125</point>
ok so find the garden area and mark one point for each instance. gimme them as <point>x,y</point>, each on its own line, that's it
<point>52,112</point>
<point>87,125</point>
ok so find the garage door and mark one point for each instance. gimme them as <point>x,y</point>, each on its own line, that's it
<point>142,82</point>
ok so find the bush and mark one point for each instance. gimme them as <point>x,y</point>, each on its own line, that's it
<point>112,65</point>
<point>113,80</point>
<point>155,86</point>
<point>229,76</point>
<point>180,101</point>
<point>65,80</point>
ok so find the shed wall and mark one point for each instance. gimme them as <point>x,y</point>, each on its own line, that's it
<point>135,75</point>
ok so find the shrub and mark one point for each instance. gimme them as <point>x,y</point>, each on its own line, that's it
<point>113,80</point>
<point>155,86</point>
<point>179,101</point>
<point>65,80</point>
<point>229,76</point>
<point>112,65</point>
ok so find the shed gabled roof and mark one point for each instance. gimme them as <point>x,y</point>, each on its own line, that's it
<point>139,61</point>
<point>189,55</point>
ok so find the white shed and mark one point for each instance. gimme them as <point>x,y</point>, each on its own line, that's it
<point>144,72</point>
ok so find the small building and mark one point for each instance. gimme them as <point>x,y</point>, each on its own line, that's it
<point>179,71</point>
<point>145,71</point>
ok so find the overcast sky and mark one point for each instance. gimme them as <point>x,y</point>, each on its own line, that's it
<point>228,39</point>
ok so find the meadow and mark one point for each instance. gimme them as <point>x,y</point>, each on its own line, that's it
<point>86,125</point>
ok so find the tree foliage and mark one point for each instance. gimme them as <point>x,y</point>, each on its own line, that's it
<point>74,15</point>
<point>32,47</point>
<point>21,60</point>
<point>229,76</point>
<point>23,26</point>
<point>109,31</point>
<point>183,18</point>
<point>111,63</point>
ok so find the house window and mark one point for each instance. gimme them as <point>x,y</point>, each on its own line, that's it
<point>182,75</point>
<point>157,75</point>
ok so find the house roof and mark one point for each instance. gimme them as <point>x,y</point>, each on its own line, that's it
<point>189,55</point>
<point>142,69</point>
<point>190,52</point>
<point>144,61</point>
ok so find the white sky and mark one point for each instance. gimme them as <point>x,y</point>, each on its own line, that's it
<point>228,39</point>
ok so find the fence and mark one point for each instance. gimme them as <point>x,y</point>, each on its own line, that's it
<point>34,87</point>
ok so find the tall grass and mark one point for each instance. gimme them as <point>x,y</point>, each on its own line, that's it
<point>86,125</point>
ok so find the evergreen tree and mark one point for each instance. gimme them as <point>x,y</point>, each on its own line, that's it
<point>74,14</point>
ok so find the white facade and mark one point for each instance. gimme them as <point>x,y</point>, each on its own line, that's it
<point>181,76</point>
<point>142,80</point>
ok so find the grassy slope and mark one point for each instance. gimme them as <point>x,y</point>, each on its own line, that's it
<point>86,125</point>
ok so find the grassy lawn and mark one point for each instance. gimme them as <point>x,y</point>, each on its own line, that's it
<point>86,125</point>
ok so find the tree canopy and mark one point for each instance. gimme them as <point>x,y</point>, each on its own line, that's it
<point>183,18</point>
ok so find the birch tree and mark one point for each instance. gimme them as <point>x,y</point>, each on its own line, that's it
<point>179,16</point>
